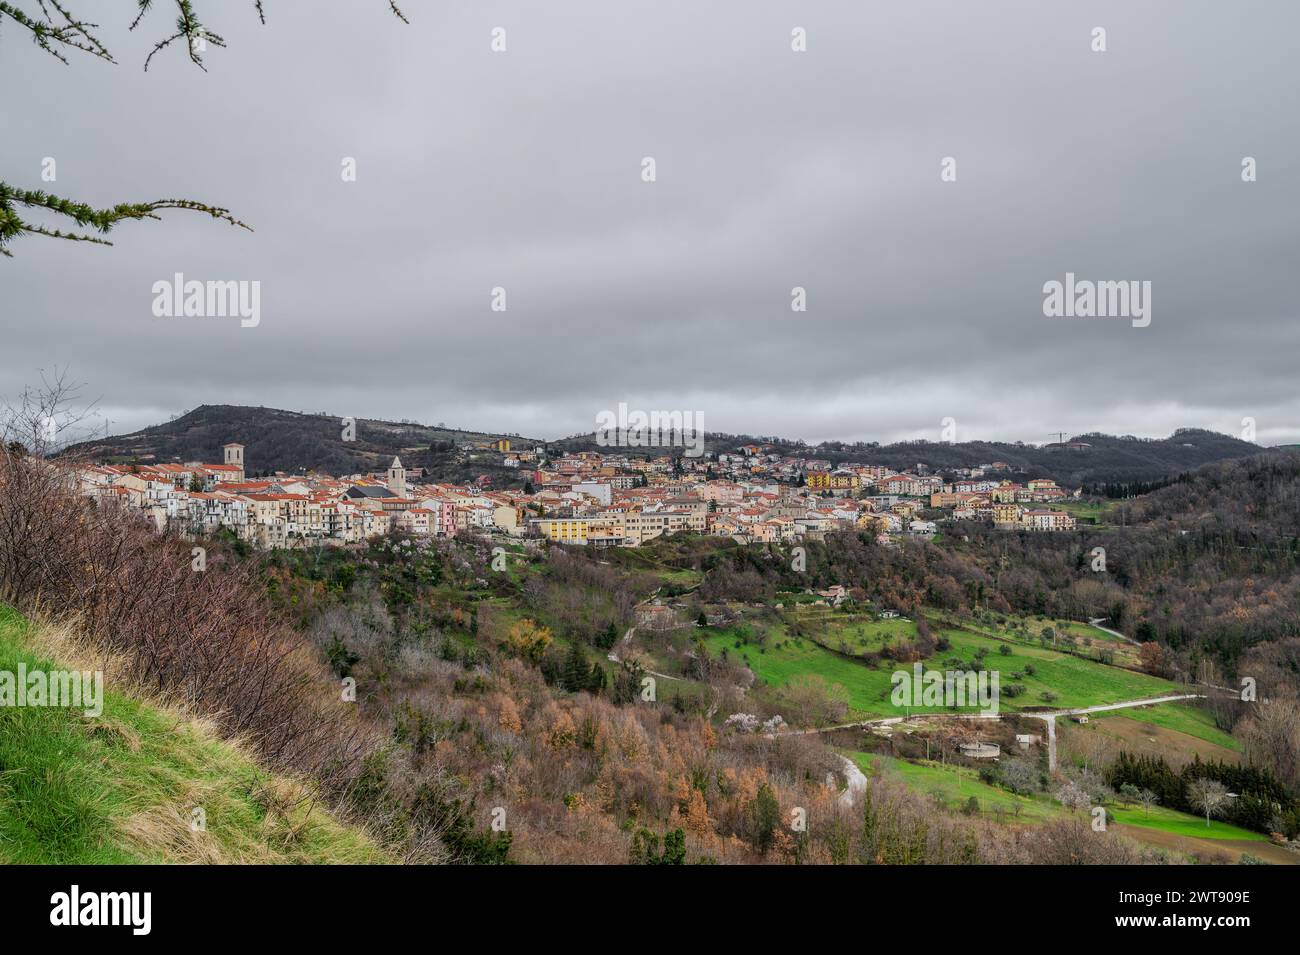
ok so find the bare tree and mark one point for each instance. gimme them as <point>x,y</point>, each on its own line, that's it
<point>1272,735</point>
<point>45,418</point>
<point>1208,795</point>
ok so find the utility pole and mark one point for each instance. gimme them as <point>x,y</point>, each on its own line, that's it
<point>1059,435</point>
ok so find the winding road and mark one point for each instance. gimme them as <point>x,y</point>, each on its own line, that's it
<point>856,779</point>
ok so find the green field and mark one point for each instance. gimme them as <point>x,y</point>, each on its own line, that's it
<point>957,784</point>
<point>1087,511</point>
<point>858,632</point>
<point>122,787</point>
<point>1181,718</point>
<point>866,688</point>
<point>1083,638</point>
<point>1180,823</point>
<point>1071,681</point>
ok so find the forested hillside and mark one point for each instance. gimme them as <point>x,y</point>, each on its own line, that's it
<point>1208,567</point>
<point>291,441</point>
<point>1097,459</point>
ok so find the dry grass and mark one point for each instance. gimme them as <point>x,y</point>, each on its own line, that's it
<point>131,784</point>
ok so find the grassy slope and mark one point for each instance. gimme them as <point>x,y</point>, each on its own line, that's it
<point>1075,681</point>
<point>956,784</point>
<point>1087,511</point>
<point>1088,639</point>
<point>120,788</point>
<point>1178,718</point>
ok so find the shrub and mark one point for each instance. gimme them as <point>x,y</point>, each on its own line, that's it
<point>208,636</point>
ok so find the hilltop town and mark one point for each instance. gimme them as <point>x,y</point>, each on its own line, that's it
<point>751,494</point>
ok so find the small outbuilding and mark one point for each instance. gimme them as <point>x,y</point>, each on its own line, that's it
<point>980,750</point>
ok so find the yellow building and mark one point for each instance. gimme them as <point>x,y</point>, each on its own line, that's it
<point>565,530</point>
<point>1007,513</point>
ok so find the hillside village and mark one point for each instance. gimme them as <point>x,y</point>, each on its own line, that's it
<point>750,494</point>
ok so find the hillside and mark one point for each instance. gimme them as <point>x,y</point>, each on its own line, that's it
<point>291,441</point>
<point>1259,497</point>
<point>122,787</point>
<point>481,690</point>
<point>1107,459</point>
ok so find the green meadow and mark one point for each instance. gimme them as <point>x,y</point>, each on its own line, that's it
<point>1050,679</point>
<point>1181,718</point>
<point>956,785</point>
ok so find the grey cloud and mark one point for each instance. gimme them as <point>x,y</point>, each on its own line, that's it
<point>775,169</point>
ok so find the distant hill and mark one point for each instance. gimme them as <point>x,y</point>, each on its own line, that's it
<point>1106,459</point>
<point>277,440</point>
<point>289,441</point>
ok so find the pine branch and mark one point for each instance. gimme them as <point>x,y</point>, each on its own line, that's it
<point>49,36</point>
<point>54,30</point>
<point>86,216</point>
<point>187,27</point>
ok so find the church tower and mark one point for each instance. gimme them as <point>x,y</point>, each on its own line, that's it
<point>235,458</point>
<point>397,478</point>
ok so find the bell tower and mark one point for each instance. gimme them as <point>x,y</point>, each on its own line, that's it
<point>397,478</point>
<point>235,458</point>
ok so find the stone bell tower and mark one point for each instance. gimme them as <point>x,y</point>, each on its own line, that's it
<point>235,458</point>
<point>397,478</point>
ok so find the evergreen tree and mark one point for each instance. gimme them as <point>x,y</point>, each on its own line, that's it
<point>608,637</point>
<point>577,673</point>
<point>764,817</point>
<point>627,683</point>
<point>645,848</point>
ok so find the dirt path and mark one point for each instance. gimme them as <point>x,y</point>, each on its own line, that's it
<point>1114,633</point>
<point>856,779</point>
<point>627,638</point>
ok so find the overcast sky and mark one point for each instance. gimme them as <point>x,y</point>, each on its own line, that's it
<point>523,170</point>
